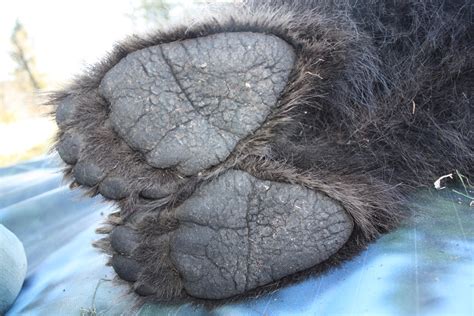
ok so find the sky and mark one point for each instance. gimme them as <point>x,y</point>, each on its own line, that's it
<point>66,35</point>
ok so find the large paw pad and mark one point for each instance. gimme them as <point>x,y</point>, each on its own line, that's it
<point>187,104</point>
<point>237,233</point>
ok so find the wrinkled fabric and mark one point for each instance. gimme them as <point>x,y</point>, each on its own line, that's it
<point>424,268</point>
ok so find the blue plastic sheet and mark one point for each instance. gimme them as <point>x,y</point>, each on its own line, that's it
<point>424,268</point>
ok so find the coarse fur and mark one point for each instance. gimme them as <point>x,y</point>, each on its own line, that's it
<point>379,103</point>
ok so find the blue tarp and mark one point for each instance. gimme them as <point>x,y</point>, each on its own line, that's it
<point>424,268</point>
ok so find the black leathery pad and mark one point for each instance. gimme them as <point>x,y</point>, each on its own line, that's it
<point>128,269</point>
<point>69,148</point>
<point>124,240</point>
<point>65,112</point>
<point>114,188</point>
<point>88,173</point>
<point>186,104</point>
<point>237,233</point>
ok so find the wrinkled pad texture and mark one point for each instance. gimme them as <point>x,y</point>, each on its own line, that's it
<point>424,268</point>
<point>186,104</point>
<point>238,232</point>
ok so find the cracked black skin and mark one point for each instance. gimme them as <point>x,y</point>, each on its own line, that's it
<point>237,233</point>
<point>255,234</point>
<point>209,92</point>
<point>268,143</point>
